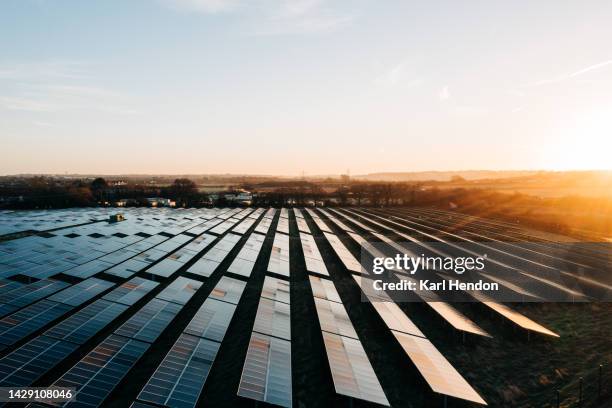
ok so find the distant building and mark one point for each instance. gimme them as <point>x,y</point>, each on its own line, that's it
<point>161,202</point>
<point>239,197</point>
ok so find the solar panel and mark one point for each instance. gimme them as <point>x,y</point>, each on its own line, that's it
<point>336,221</point>
<point>224,226</point>
<point>266,375</point>
<point>298,213</point>
<point>29,362</point>
<point>351,370</point>
<point>127,268</point>
<point>457,319</point>
<point>312,256</point>
<point>273,318</point>
<point>244,226</point>
<point>84,324</point>
<point>320,223</point>
<point>99,372</point>
<point>200,243</point>
<point>437,371</point>
<point>349,261</point>
<point>24,295</point>
<point>131,291</point>
<point>279,257</point>
<point>228,290</point>
<point>81,292</point>
<point>165,267</point>
<point>276,289</point>
<point>451,315</point>
<point>324,289</point>
<point>209,262</point>
<point>180,290</point>
<point>353,220</point>
<point>89,269</point>
<point>8,285</point>
<point>334,319</point>
<point>264,225</point>
<point>302,225</point>
<point>150,321</point>
<point>179,379</point>
<point>245,260</point>
<point>137,404</point>
<point>519,319</point>
<point>211,320</point>
<point>283,225</point>
<point>26,321</point>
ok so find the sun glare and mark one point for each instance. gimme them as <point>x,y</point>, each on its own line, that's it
<point>584,144</point>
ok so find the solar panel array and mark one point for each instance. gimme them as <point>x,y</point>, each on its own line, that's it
<point>180,377</point>
<point>101,295</point>
<point>266,374</point>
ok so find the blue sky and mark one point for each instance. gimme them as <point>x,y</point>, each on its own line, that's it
<point>319,86</point>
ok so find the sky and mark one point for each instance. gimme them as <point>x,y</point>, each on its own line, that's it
<point>304,87</point>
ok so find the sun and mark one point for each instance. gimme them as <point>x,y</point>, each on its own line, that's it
<point>585,143</point>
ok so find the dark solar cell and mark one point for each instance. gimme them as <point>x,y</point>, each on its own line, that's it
<point>179,379</point>
<point>98,373</point>
<point>148,323</point>
<point>81,292</point>
<point>29,362</point>
<point>24,295</point>
<point>84,324</point>
<point>8,285</point>
<point>26,321</point>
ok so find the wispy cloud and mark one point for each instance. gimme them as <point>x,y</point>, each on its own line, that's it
<point>44,70</point>
<point>571,75</point>
<point>273,17</point>
<point>57,86</point>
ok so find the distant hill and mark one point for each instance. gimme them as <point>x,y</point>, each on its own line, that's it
<point>444,175</point>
